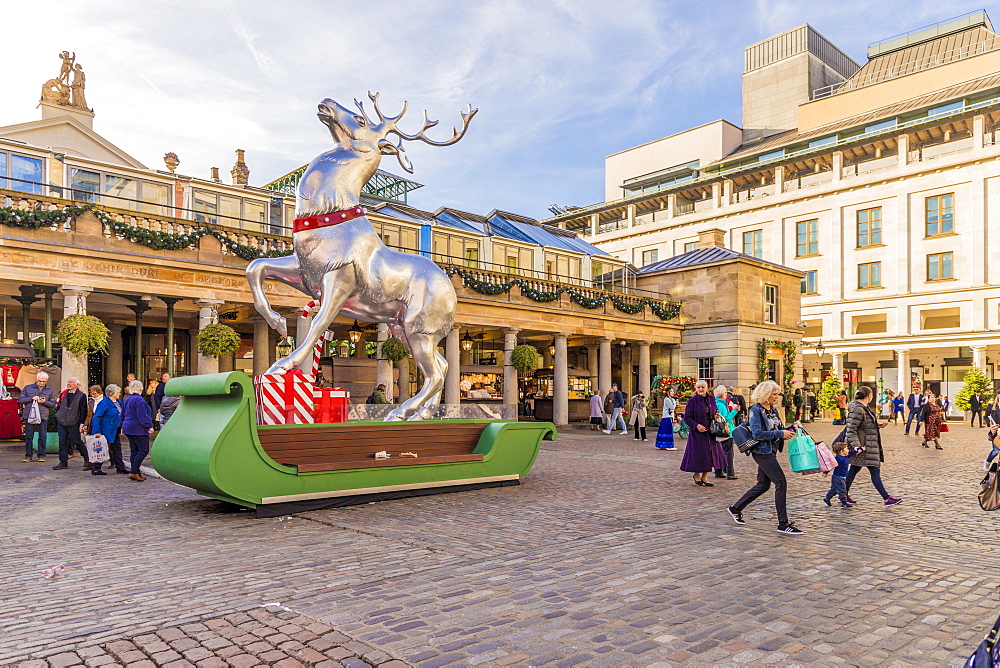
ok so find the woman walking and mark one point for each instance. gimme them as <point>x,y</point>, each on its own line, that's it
<point>596,411</point>
<point>729,412</point>
<point>638,418</point>
<point>698,414</point>
<point>898,405</point>
<point>863,431</point>
<point>107,422</point>
<point>932,415</point>
<point>665,434</point>
<point>137,424</point>
<point>766,428</point>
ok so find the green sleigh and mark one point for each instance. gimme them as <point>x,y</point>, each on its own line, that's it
<point>213,445</point>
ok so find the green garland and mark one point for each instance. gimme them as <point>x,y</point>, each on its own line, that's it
<point>152,239</point>
<point>788,372</point>
<point>631,306</point>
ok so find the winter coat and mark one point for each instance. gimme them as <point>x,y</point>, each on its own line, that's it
<point>30,392</point>
<point>72,411</point>
<point>862,430</point>
<point>638,410</point>
<point>167,408</point>
<point>137,418</point>
<point>107,418</point>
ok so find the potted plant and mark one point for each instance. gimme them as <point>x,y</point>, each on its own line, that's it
<point>218,340</point>
<point>394,350</point>
<point>82,334</point>
<point>524,358</point>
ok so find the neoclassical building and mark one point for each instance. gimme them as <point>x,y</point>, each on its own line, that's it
<point>877,181</point>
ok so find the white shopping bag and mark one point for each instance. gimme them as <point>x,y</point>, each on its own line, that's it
<point>97,449</point>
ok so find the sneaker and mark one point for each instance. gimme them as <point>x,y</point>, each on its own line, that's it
<point>645,439</point>
<point>623,431</point>
<point>606,431</point>
<point>846,505</point>
<point>891,501</point>
<point>827,502</point>
<point>851,501</point>
<point>737,517</point>
<point>98,472</point>
<point>26,460</point>
<point>41,459</point>
<point>789,529</point>
<point>669,448</point>
<point>59,466</point>
<point>635,439</point>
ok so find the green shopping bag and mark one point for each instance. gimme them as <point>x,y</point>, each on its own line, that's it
<point>802,453</point>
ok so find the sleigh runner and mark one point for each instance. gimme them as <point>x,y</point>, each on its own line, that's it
<point>213,445</point>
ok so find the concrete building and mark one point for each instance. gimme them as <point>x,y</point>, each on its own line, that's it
<point>876,185</point>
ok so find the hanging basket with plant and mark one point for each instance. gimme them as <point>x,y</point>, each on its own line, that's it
<point>394,350</point>
<point>218,340</point>
<point>524,358</point>
<point>82,334</point>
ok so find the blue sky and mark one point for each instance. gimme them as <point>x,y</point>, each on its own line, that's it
<point>560,84</point>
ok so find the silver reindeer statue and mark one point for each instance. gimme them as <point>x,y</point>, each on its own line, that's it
<point>341,262</point>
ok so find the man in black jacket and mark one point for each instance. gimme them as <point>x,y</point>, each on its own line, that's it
<point>976,408</point>
<point>914,403</point>
<point>71,416</point>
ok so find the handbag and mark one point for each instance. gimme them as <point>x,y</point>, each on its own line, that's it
<point>989,495</point>
<point>987,655</point>
<point>945,427</point>
<point>718,427</point>
<point>743,439</point>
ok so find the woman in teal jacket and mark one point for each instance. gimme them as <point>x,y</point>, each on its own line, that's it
<point>728,412</point>
<point>107,422</point>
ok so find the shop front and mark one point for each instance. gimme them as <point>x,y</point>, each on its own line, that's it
<point>580,390</point>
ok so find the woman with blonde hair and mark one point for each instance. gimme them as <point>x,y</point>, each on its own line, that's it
<point>766,428</point>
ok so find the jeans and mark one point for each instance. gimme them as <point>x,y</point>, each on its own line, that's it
<point>838,488</point>
<point>69,438</point>
<point>616,417</point>
<point>876,474</point>
<point>138,446</point>
<point>972,418</point>
<point>768,471</point>
<point>29,434</point>
<point>914,415</point>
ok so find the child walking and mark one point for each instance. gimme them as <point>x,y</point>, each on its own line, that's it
<point>838,479</point>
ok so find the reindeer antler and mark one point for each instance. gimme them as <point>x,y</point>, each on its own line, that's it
<point>428,124</point>
<point>386,122</point>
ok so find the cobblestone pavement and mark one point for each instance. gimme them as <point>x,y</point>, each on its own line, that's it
<point>606,555</point>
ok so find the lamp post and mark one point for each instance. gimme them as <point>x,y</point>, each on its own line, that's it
<point>820,348</point>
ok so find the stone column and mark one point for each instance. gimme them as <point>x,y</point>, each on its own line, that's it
<point>838,165</point>
<point>403,367</point>
<point>560,384</point>
<point>595,223</point>
<point>644,367</point>
<point>261,345</point>
<point>383,367</point>
<point>838,366</point>
<point>208,314</point>
<point>509,372</point>
<point>74,302</point>
<point>903,144</point>
<point>113,372</point>
<point>27,298</point>
<point>452,393</point>
<point>301,332</point>
<point>604,370</point>
<point>48,291</point>
<point>592,364</point>
<point>903,371</point>
<point>138,308</point>
<point>170,353</point>
<point>978,131</point>
<point>979,357</point>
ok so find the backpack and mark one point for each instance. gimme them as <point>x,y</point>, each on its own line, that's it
<point>370,399</point>
<point>743,439</point>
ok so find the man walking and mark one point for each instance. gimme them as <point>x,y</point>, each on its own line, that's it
<point>915,402</point>
<point>71,417</point>
<point>976,408</point>
<point>38,399</point>
<point>617,404</point>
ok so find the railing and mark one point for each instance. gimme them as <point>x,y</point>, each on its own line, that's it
<point>927,63</point>
<point>870,166</point>
<point>807,181</point>
<point>748,194</point>
<point>940,150</point>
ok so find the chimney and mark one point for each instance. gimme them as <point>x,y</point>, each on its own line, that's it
<point>215,175</point>
<point>241,173</point>
<point>712,238</point>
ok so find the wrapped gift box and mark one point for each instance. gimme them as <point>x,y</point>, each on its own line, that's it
<point>331,404</point>
<point>284,398</point>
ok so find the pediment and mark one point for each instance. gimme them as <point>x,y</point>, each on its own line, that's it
<point>67,135</point>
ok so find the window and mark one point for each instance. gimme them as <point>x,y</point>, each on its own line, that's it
<point>870,275</point>
<point>753,244</point>
<point>649,256</point>
<point>596,268</point>
<point>86,185</point>
<point>690,246</point>
<point>26,174</point>
<point>706,370</point>
<point>3,171</point>
<point>814,329</point>
<point>941,318</point>
<point>206,207</point>
<point>771,304</point>
<point>121,192</point>
<point>869,324</point>
<point>940,266</point>
<point>940,215</point>
<point>806,238</point>
<point>229,210</point>
<point>870,227</point>
<point>879,127</point>
<point>773,155</point>
<point>809,283</point>
<point>254,212</point>
<point>471,256</point>
<point>154,197</point>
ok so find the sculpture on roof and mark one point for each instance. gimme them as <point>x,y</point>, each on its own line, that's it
<point>62,90</point>
<point>340,261</point>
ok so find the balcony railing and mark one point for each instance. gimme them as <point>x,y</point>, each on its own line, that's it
<point>938,150</point>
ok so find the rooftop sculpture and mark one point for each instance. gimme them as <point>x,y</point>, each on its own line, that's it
<point>64,91</point>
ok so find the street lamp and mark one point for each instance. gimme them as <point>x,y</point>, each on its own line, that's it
<point>355,332</point>
<point>284,347</point>
<point>820,348</point>
<point>467,342</point>
<point>552,348</point>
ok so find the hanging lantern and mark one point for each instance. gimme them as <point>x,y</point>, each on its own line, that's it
<point>355,333</point>
<point>552,348</point>
<point>467,342</point>
<point>284,347</point>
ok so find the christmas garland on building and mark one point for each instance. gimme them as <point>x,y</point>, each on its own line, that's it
<point>631,306</point>
<point>152,239</point>
<point>788,370</point>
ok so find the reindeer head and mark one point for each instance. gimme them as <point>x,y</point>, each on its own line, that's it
<point>357,131</point>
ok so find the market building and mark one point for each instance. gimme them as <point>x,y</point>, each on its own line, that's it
<point>873,180</point>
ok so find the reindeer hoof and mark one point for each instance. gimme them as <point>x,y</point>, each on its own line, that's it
<point>280,368</point>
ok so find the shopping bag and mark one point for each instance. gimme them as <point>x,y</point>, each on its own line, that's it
<point>827,462</point>
<point>945,427</point>
<point>802,453</point>
<point>97,449</point>
<point>34,415</point>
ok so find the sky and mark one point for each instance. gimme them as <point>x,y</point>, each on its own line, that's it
<point>559,84</point>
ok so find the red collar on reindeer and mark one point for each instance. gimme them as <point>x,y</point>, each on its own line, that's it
<point>327,219</point>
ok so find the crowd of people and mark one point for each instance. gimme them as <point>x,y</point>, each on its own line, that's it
<point>101,414</point>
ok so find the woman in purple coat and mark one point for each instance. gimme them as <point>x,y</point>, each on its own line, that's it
<point>698,415</point>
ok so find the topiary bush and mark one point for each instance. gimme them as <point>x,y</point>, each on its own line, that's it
<point>524,358</point>
<point>394,350</point>
<point>82,334</point>
<point>218,340</point>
